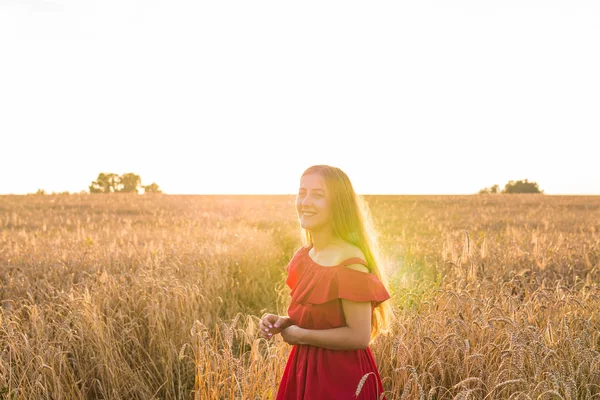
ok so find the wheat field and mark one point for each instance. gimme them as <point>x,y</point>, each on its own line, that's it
<point>158,297</point>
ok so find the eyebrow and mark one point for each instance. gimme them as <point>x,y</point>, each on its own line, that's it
<point>314,190</point>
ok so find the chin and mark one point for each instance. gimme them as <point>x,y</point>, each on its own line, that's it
<point>306,226</point>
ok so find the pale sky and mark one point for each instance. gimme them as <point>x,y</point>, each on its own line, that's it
<point>419,97</point>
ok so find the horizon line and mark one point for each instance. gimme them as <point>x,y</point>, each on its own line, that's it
<point>65,193</point>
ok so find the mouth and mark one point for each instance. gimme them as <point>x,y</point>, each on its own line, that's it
<point>307,214</point>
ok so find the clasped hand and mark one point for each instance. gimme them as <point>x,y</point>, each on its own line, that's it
<point>271,324</point>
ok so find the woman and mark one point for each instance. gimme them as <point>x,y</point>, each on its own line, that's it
<point>338,295</point>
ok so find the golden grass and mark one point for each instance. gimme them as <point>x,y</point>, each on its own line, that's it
<point>141,297</point>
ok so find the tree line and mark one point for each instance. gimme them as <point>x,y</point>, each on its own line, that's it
<point>132,183</point>
<point>114,183</point>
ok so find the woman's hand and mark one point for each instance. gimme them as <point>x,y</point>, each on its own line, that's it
<point>292,334</point>
<point>271,324</point>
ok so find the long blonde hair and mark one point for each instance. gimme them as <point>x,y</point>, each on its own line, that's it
<point>352,222</point>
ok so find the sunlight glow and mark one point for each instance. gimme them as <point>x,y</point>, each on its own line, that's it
<point>212,97</point>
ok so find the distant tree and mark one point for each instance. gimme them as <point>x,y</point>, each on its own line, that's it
<point>40,191</point>
<point>491,190</point>
<point>129,183</point>
<point>521,187</point>
<point>126,183</point>
<point>105,183</point>
<point>152,188</point>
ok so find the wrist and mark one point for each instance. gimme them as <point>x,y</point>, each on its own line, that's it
<point>287,323</point>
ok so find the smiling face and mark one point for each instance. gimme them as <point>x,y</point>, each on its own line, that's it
<point>312,203</point>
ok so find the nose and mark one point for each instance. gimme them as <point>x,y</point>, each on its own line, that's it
<point>306,202</point>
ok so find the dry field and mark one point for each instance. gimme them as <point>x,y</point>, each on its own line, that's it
<point>141,297</point>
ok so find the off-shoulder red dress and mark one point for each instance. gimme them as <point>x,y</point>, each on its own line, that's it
<point>315,372</point>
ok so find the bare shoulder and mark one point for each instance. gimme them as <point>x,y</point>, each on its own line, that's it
<point>351,251</point>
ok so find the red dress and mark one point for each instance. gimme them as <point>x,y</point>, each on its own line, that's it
<point>315,373</point>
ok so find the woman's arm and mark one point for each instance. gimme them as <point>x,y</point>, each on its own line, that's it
<point>355,335</point>
<point>343,338</point>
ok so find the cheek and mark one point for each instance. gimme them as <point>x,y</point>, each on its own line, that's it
<point>324,206</point>
<point>298,206</point>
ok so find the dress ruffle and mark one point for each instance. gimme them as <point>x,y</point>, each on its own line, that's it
<point>325,284</point>
<point>349,284</point>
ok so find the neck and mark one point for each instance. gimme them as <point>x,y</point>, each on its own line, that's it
<point>323,240</point>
